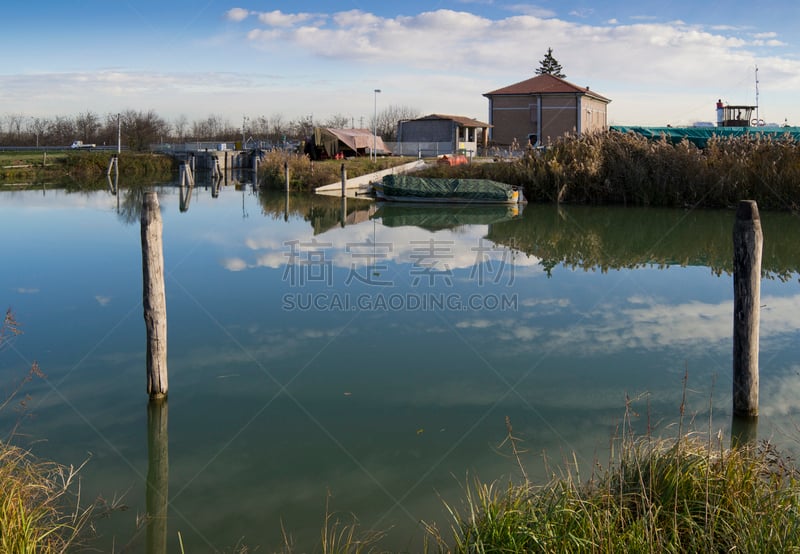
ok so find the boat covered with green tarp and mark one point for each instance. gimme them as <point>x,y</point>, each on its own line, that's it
<point>408,188</point>
<point>699,136</point>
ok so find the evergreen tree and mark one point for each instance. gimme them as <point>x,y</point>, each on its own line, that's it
<point>550,66</point>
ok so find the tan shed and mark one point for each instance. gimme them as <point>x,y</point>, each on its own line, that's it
<point>542,109</point>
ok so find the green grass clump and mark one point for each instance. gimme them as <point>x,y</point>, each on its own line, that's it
<point>679,495</point>
<point>40,507</point>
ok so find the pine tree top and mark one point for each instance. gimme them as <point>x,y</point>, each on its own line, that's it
<point>550,66</point>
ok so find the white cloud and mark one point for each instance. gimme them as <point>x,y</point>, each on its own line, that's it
<point>237,14</point>
<point>234,264</point>
<point>103,300</point>
<point>278,18</point>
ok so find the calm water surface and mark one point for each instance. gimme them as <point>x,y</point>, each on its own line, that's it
<point>369,361</point>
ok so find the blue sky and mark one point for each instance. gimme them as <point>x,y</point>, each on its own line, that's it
<point>659,62</point>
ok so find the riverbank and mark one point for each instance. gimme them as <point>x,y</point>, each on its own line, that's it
<point>67,167</point>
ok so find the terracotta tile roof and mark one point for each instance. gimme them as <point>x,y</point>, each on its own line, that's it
<point>545,84</point>
<point>463,121</point>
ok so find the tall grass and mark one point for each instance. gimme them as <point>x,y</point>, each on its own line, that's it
<point>629,169</point>
<point>687,494</point>
<point>340,537</point>
<point>40,504</point>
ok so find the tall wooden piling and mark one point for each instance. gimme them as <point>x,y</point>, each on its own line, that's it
<point>344,180</point>
<point>747,249</point>
<point>154,297</point>
<point>286,174</point>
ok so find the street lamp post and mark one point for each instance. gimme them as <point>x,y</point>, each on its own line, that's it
<point>375,126</point>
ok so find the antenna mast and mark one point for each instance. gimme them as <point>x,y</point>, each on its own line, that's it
<point>757,118</point>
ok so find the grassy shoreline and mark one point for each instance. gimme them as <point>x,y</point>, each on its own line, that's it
<point>67,167</point>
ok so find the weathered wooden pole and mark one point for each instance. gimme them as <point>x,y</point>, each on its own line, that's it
<point>344,180</point>
<point>154,297</point>
<point>286,174</point>
<point>747,248</point>
<point>156,495</point>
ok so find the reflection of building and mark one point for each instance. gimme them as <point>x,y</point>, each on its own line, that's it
<point>341,143</point>
<point>544,108</point>
<point>437,134</point>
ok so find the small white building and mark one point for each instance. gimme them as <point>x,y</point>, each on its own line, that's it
<point>438,134</point>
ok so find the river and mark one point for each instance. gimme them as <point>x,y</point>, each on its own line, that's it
<point>368,359</point>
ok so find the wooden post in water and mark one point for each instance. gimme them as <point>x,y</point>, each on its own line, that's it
<point>156,495</point>
<point>286,174</point>
<point>154,297</point>
<point>344,180</point>
<point>747,248</point>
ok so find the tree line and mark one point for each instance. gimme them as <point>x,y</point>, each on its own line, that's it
<point>139,129</point>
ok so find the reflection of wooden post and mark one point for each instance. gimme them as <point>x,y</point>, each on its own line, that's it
<point>156,495</point>
<point>344,210</point>
<point>286,208</point>
<point>344,180</point>
<point>744,431</point>
<point>747,247</point>
<point>154,297</point>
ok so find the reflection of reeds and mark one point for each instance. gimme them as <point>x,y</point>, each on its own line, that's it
<point>617,168</point>
<point>582,237</point>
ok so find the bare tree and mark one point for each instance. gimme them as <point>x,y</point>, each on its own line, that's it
<point>141,129</point>
<point>180,127</point>
<point>338,121</point>
<point>87,125</point>
<point>62,131</point>
<point>278,128</point>
<point>36,128</point>
<point>388,119</point>
<point>14,128</point>
<point>215,127</point>
<point>301,128</point>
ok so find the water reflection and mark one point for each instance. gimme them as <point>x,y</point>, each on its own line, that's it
<point>581,237</point>
<point>432,217</point>
<point>322,212</point>
<point>157,494</point>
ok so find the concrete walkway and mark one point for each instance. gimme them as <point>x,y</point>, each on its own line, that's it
<point>363,181</point>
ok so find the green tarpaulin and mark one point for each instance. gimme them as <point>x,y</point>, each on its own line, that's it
<point>700,136</point>
<point>422,187</point>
